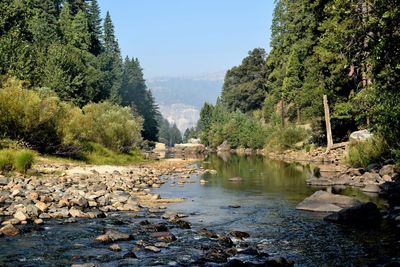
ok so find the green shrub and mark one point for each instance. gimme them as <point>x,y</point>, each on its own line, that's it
<point>24,160</point>
<point>29,115</point>
<point>279,138</point>
<point>19,160</point>
<point>361,154</point>
<point>107,124</point>
<point>6,160</point>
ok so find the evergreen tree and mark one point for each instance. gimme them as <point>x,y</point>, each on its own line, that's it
<point>76,6</point>
<point>135,93</point>
<point>95,28</point>
<point>80,32</point>
<point>243,87</point>
<point>111,63</point>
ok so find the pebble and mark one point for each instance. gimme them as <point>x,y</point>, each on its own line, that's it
<point>153,249</point>
<point>115,247</point>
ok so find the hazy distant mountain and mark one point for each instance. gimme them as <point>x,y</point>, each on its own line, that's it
<point>181,98</point>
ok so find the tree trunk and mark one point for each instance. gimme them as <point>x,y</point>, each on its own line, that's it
<point>328,124</point>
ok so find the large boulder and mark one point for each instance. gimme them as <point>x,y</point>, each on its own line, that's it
<point>224,147</point>
<point>189,148</point>
<point>323,201</point>
<point>160,147</point>
<point>360,135</point>
<point>365,213</point>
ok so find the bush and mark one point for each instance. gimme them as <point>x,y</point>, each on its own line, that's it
<point>28,115</point>
<point>279,138</point>
<point>361,154</point>
<point>6,160</point>
<point>24,160</point>
<point>19,160</point>
<point>110,125</point>
<point>38,118</point>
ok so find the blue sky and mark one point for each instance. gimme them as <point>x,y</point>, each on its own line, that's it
<point>189,37</point>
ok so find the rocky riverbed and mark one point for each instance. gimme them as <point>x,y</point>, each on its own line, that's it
<point>68,191</point>
<point>131,224</point>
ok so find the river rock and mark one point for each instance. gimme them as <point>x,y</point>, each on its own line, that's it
<point>239,234</point>
<point>41,206</point>
<point>112,236</point>
<point>164,236</point>
<point>115,247</point>
<point>322,201</point>
<point>3,180</point>
<point>20,215</point>
<point>38,221</point>
<point>365,213</point>
<point>152,248</point>
<point>371,188</point>
<point>360,135</point>
<point>387,170</point>
<point>183,224</point>
<point>9,230</point>
<point>75,213</point>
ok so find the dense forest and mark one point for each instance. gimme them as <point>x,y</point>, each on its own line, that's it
<point>347,50</point>
<point>64,61</point>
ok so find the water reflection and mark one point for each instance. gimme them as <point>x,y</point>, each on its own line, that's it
<point>265,201</point>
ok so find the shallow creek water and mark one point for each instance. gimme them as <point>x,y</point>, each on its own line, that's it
<point>262,204</point>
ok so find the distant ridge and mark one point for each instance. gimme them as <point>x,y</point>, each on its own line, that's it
<point>181,98</point>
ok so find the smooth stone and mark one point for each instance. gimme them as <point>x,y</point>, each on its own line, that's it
<point>38,221</point>
<point>322,201</point>
<point>115,247</point>
<point>9,230</point>
<point>20,216</point>
<point>153,249</point>
<point>41,206</point>
<point>112,236</point>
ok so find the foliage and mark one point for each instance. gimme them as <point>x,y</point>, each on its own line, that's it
<point>63,46</point>
<point>109,125</point>
<point>46,123</point>
<point>98,154</point>
<point>135,94</point>
<point>280,138</point>
<point>243,87</point>
<point>24,160</point>
<point>6,160</point>
<point>169,134</point>
<point>19,160</point>
<point>190,133</point>
<point>361,154</point>
<point>29,116</point>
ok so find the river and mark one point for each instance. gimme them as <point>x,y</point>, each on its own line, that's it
<point>262,204</point>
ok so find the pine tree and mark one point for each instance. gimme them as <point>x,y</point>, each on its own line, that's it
<point>65,21</point>
<point>243,87</point>
<point>76,6</point>
<point>134,93</point>
<point>111,63</point>
<point>95,28</point>
<point>80,32</point>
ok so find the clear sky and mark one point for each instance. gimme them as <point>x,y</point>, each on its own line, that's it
<point>189,37</point>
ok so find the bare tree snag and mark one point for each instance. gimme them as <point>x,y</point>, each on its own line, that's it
<point>328,124</point>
